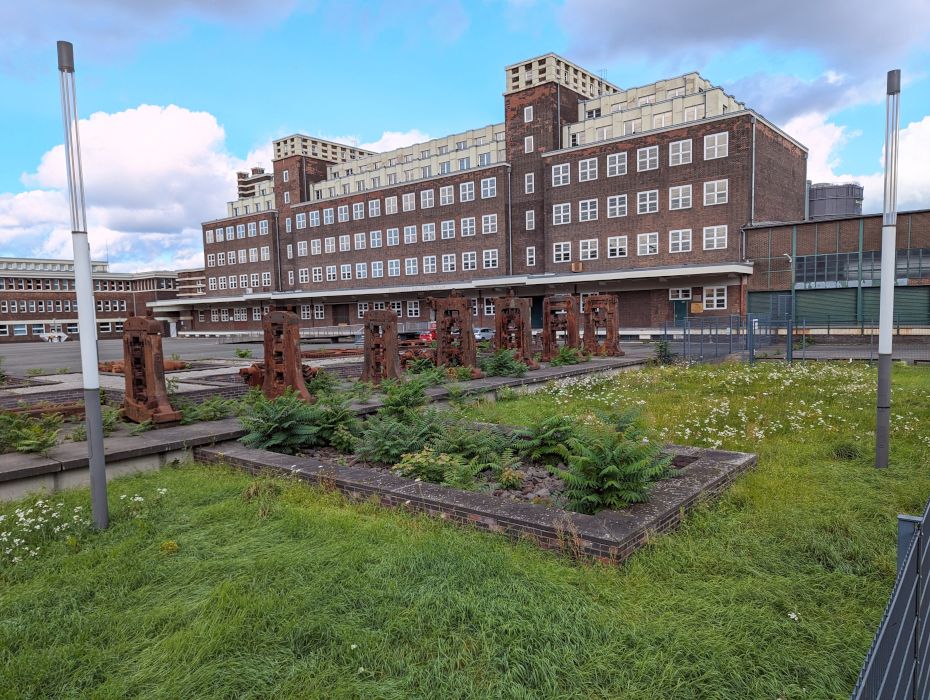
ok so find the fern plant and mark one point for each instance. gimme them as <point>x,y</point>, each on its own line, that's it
<point>339,426</point>
<point>37,435</point>
<point>568,356</point>
<point>402,398</point>
<point>385,438</point>
<point>502,364</point>
<point>285,424</point>
<point>545,441</point>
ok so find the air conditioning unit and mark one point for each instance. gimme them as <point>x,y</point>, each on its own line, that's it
<point>577,267</point>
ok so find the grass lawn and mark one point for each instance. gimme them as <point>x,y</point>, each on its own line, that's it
<point>278,590</point>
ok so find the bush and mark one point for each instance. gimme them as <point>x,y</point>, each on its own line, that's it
<point>429,464</point>
<point>664,354</point>
<point>385,438</point>
<point>458,374</point>
<point>483,448</point>
<point>323,383</point>
<point>510,478</point>
<point>568,356</point>
<point>285,424</point>
<point>402,398</point>
<point>31,435</point>
<point>243,353</point>
<point>339,426</point>
<point>545,441</point>
<point>420,365</point>
<point>502,364</point>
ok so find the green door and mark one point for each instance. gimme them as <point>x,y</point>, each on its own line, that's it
<point>681,310</point>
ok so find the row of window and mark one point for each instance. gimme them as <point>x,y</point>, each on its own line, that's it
<point>647,158</point>
<point>31,306</point>
<point>242,281</point>
<point>679,241</point>
<point>241,257</point>
<point>715,298</point>
<point>331,215</point>
<point>231,233</point>
<point>647,202</point>
<point>490,260</point>
<point>21,329</point>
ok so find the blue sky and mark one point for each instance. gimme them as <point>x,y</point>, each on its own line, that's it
<point>241,75</point>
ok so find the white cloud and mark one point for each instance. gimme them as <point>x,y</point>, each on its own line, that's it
<point>825,139</point>
<point>152,174</point>
<point>388,141</point>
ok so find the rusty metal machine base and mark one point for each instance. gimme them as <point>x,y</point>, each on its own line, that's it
<point>560,316</point>
<point>455,333</point>
<point>513,328</point>
<point>146,397</point>
<point>382,360</point>
<point>601,313</point>
<point>283,369</point>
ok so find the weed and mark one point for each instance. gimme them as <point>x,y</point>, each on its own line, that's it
<point>502,364</point>
<point>568,356</point>
<point>243,353</point>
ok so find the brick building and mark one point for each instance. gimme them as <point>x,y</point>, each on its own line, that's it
<point>37,298</point>
<point>584,187</point>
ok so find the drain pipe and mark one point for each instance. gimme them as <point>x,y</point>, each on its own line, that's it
<point>752,185</point>
<point>510,220</point>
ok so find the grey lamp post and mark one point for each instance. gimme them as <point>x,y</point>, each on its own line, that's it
<point>84,286</point>
<point>886,299</point>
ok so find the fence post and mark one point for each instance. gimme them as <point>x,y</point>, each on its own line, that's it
<point>789,349</point>
<point>751,339</point>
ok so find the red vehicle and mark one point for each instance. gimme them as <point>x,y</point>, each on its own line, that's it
<point>430,335</point>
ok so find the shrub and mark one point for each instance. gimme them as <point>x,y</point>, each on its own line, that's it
<point>339,426</point>
<point>484,448</point>
<point>37,434</point>
<point>142,427</point>
<point>426,464</point>
<point>322,383</point>
<point>506,393</point>
<point>545,440</point>
<point>243,353</point>
<point>79,434</point>
<point>510,478</point>
<point>420,365</point>
<point>502,364</point>
<point>664,354</point>
<point>568,356</point>
<point>385,438</point>
<point>285,424</point>
<point>458,374</point>
<point>111,418</point>
<point>401,398</point>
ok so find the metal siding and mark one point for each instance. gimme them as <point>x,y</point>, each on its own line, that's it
<point>818,306</point>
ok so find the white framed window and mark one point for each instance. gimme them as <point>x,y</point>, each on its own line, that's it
<point>694,113</point>
<point>529,183</point>
<point>409,201</point>
<point>397,308</point>
<point>393,236</point>
<point>315,246</point>
<point>587,210</point>
<point>390,205</point>
<point>303,275</point>
<point>469,261</point>
<point>265,252</point>
<point>679,240</point>
<point>661,120</point>
<point>647,158</point>
<point>211,284</point>
<point>716,146</point>
<point>329,244</point>
<point>361,239</point>
<point>318,274</point>
<point>561,175</point>
<point>328,215</point>
<point>679,152</point>
<point>715,237</point>
<point>240,230</point>
<point>528,114</point>
<point>285,175</point>
<point>221,259</point>
<point>588,249</point>
<point>429,232</point>
<point>426,199</point>
<point>562,252</point>
<point>330,273</point>
<point>411,266</point>
<point>528,144</point>
<point>343,213</point>
<point>358,211</point>
<point>250,229</point>
<point>489,259</point>
<point>616,164</point>
<point>715,297</point>
<point>413,309</point>
<point>410,234</point>
<point>253,255</point>
<point>394,268</point>
<point>531,256</point>
<point>616,246</point>
<point>647,244</point>
<point>561,214</point>
<point>716,192</point>
<point>468,226</point>
<point>429,264</point>
<point>301,220</point>
<point>530,219</point>
<point>447,229</point>
<point>467,192</point>
<point>319,312</point>
<point>361,309</point>
<point>448,262</point>
<point>211,260</point>
<point>647,202</point>
<point>488,187</point>
<point>616,206</point>
<point>301,249</point>
<point>314,218</point>
<point>345,243</point>
<point>266,279</point>
<point>287,225</point>
<point>679,293</point>
<point>374,208</point>
<point>241,254</point>
<point>587,169</point>
<point>488,307</point>
<point>679,197</point>
<point>208,235</point>
<point>377,268</point>
<point>345,271</point>
<point>361,271</point>
<point>222,281</point>
<point>489,223</point>
<point>446,195</point>
<point>256,313</point>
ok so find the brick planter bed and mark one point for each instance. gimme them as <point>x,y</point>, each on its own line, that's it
<point>609,536</point>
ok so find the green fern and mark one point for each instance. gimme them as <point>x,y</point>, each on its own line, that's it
<point>545,440</point>
<point>285,424</point>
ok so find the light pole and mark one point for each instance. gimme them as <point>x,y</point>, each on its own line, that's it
<point>84,286</point>
<point>886,300</point>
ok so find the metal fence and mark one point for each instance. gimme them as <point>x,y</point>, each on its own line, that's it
<point>706,339</point>
<point>897,666</point>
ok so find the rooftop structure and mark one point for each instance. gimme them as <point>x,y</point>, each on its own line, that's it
<point>302,145</point>
<point>552,68</point>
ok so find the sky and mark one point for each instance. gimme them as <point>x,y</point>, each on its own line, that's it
<point>176,95</point>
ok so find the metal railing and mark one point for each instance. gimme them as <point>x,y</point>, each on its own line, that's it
<point>897,666</point>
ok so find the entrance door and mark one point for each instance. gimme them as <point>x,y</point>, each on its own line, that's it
<point>341,314</point>
<point>680,309</point>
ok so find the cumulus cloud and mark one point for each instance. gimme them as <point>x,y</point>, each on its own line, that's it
<point>388,141</point>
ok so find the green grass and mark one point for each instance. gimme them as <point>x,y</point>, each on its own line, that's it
<point>273,582</point>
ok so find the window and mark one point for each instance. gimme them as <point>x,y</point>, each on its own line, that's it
<point>328,215</point>
<point>390,205</point>
<point>529,183</point>
<point>694,113</point>
<point>530,220</point>
<point>256,313</point>
<point>426,171</point>
<point>616,164</point>
<point>562,252</point>
<point>343,212</point>
<point>287,225</point>
<point>587,249</point>
<point>253,255</point>
<point>358,211</point>
<point>305,312</point>
<point>715,146</point>
<point>715,237</point>
<point>314,218</point>
<point>488,307</point>
<point>287,197</point>
<point>411,266</point>
<point>488,187</point>
<point>315,246</point>
<point>468,226</point>
<point>301,248</point>
<point>211,260</point>
<point>221,259</point>
<point>448,262</point>
<point>679,293</point>
<point>250,230</point>
<point>329,244</point>
<point>561,214</point>
<point>222,281</point>
<point>679,241</point>
<point>410,234</point>
<point>561,175</point>
<point>429,232</point>
<point>467,192</point>
<point>528,144</point>
<point>632,126</point>
<point>447,195</point>
<point>266,279</point>
<point>242,256</point>
<point>345,271</point>
<point>716,192</point>
<point>616,206</point>
<point>715,297</point>
<point>647,158</point>
<point>375,239</point>
<point>647,244</point>
<point>397,307</point>
<point>587,169</point>
<point>490,259</point>
<point>393,236</point>
<point>254,279</point>
<point>661,120</point>
<point>679,152</point>
<point>345,243</point>
<point>528,114</point>
<point>647,202</point>
<point>679,197</point>
<point>447,229</point>
<point>208,236</point>
<point>429,264</point>
<point>489,223</point>
<point>413,309</point>
<point>285,175</point>
<point>318,274</point>
<point>531,256</point>
<point>374,208</point>
<point>393,268</point>
<point>330,273</point>
<point>230,230</point>
<point>240,230</point>
<point>469,261</point>
<point>360,240</point>
<point>301,222</point>
<point>377,269</point>
<point>409,202</point>
<point>587,210</point>
<point>426,199</point>
<point>464,163</point>
<point>303,275</point>
<point>319,312</point>
<point>616,247</point>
